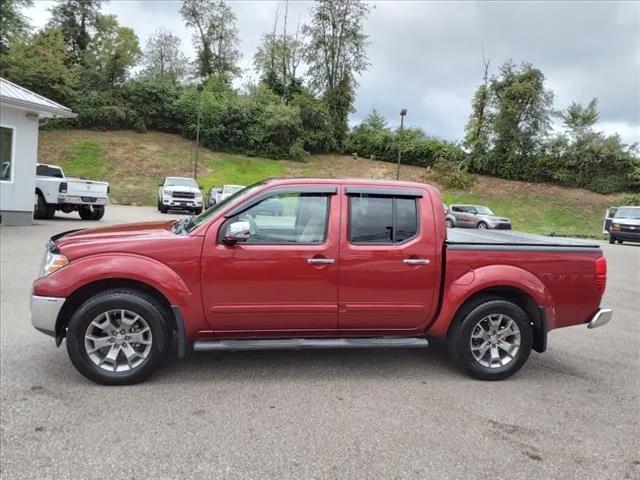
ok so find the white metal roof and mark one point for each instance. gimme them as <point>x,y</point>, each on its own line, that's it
<point>17,96</point>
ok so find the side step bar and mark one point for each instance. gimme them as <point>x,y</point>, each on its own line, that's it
<point>310,343</point>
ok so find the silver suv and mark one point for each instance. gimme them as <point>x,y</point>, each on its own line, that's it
<point>475,216</point>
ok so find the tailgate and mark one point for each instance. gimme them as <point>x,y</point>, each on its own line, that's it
<point>87,188</point>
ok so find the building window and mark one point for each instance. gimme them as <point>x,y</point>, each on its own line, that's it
<point>6,153</point>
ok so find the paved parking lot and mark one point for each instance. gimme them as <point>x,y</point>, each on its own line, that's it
<point>573,412</point>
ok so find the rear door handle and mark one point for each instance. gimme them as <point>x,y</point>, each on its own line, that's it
<point>416,261</point>
<point>321,261</point>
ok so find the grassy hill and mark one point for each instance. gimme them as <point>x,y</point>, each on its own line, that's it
<point>135,163</point>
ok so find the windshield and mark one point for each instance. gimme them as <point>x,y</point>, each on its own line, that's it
<point>196,220</point>
<point>628,212</point>
<point>483,210</point>
<point>180,182</point>
<point>230,189</point>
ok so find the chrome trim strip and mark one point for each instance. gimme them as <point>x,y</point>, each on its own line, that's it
<point>601,318</point>
<point>44,313</point>
<point>310,343</point>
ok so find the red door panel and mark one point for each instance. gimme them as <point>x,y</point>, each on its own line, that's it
<point>378,290</point>
<point>267,288</point>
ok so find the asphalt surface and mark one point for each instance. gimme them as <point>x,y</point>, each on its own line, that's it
<point>571,413</point>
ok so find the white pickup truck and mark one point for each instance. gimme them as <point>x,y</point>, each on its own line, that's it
<point>54,192</point>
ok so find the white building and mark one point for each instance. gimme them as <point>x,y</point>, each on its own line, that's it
<point>21,113</point>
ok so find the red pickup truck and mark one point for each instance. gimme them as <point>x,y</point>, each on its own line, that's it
<point>338,264</point>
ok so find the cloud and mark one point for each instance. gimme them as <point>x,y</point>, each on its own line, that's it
<point>427,56</point>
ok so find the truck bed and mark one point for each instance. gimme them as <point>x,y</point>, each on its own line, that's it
<point>463,238</point>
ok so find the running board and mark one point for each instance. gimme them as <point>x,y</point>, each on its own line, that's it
<point>310,343</point>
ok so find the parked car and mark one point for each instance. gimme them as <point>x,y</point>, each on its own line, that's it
<point>217,194</point>
<point>179,193</point>
<point>475,216</point>
<point>57,192</point>
<point>623,224</point>
<point>349,264</point>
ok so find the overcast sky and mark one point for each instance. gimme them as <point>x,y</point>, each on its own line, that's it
<point>427,56</point>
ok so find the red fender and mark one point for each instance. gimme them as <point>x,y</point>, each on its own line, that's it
<point>458,290</point>
<point>81,272</point>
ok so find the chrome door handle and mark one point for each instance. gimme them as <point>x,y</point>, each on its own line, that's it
<point>321,261</point>
<point>416,261</point>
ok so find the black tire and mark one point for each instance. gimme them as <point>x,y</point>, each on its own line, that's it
<point>163,209</point>
<point>98,212</point>
<point>449,223</point>
<point>41,210</point>
<point>197,211</point>
<point>483,225</point>
<point>459,340</point>
<point>620,242</point>
<point>51,211</point>
<point>612,239</point>
<point>85,213</point>
<point>147,307</point>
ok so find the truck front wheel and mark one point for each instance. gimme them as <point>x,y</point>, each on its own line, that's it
<point>118,337</point>
<point>492,341</point>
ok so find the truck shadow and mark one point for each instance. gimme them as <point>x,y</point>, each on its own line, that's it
<point>307,364</point>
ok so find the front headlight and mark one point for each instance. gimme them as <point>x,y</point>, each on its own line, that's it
<point>198,194</point>
<point>615,226</point>
<point>52,262</point>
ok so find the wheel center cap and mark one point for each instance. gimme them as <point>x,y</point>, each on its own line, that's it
<point>119,339</point>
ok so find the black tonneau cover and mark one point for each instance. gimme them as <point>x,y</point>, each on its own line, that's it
<point>507,238</point>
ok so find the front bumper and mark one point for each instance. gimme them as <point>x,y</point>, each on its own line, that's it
<point>602,317</point>
<point>76,200</point>
<point>44,313</point>
<point>500,226</point>
<point>181,203</point>
<point>626,234</point>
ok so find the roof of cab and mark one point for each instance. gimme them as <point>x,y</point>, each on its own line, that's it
<point>349,181</point>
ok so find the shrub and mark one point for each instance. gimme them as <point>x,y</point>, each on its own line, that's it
<point>449,175</point>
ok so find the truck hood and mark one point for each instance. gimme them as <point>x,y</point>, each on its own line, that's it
<point>113,233</point>
<point>626,221</point>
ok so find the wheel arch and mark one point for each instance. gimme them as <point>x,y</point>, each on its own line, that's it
<point>83,293</point>
<point>535,313</point>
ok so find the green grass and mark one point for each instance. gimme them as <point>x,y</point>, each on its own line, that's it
<point>86,159</point>
<point>537,214</point>
<point>135,163</point>
<point>238,170</point>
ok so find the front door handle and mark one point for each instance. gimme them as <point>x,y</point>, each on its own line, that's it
<point>321,261</point>
<point>416,261</point>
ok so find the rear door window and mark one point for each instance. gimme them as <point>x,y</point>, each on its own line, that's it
<point>377,219</point>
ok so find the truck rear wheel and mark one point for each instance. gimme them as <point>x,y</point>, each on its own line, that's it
<point>118,337</point>
<point>95,212</point>
<point>42,210</point>
<point>493,341</point>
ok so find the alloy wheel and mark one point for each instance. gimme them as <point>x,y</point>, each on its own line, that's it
<point>118,340</point>
<point>495,340</point>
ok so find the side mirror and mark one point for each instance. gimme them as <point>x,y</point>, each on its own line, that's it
<point>237,232</point>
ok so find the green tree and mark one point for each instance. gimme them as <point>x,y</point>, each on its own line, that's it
<point>163,59</point>
<point>478,129</point>
<point>336,55</point>
<point>13,24</point>
<point>78,20</point>
<point>216,38</point>
<point>579,118</point>
<point>113,51</point>
<point>521,120</point>
<point>40,63</point>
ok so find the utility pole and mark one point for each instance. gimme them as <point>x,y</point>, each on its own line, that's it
<point>403,112</point>
<point>195,169</point>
